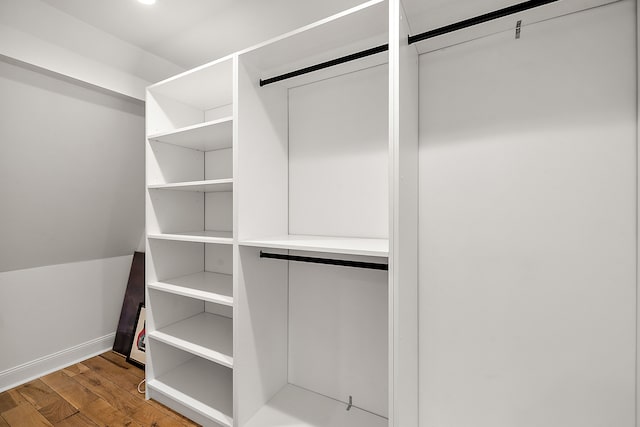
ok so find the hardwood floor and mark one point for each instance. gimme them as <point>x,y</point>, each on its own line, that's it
<point>101,391</point>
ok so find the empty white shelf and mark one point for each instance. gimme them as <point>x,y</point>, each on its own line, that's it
<point>206,335</point>
<point>209,186</point>
<point>204,387</point>
<point>207,286</point>
<point>336,245</point>
<point>220,237</point>
<point>294,406</point>
<point>208,136</point>
<point>205,87</point>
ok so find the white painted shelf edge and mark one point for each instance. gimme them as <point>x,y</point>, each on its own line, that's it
<point>191,72</point>
<point>205,285</point>
<point>190,370</point>
<point>336,245</point>
<point>205,335</point>
<point>219,237</point>
<point>295,406</point>
<point>208,186</point>
<point>158,136</point>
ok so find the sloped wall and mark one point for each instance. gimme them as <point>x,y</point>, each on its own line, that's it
<point>71,216</point>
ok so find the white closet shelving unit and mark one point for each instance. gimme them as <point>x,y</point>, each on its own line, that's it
<point>239,171</point>
<point>190,231</point>
<point>313,156</point>
<point>275,204</point>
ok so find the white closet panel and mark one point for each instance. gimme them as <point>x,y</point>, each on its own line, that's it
<point>338,167</point>
<point>528,225</point>
<point>338,332</point>
<point>218,164</point>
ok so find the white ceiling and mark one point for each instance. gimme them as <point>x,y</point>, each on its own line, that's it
<point>140,24</point>
<point>189,33</point>
<point>192,32</point>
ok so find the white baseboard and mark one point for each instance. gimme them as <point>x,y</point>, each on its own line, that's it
<point>26,372</point>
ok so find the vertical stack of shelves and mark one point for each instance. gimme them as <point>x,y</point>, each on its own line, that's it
<point>190,183</point>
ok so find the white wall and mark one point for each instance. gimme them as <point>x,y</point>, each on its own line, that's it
<point>528,226</point>
<point>71,171</point>
<point>71,216</point>
<point>41,35</point>
<point>55,315</point>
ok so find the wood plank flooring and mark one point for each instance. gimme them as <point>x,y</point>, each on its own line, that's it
<point>101,391</point>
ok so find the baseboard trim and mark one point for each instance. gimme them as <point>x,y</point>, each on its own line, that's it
<point>29,371</point>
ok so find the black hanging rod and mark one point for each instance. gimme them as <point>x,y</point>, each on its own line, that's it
<point>326,64</point>
<point>329,261</point>
<point>520,7</point>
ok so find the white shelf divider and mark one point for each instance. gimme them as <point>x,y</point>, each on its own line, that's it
<point>202,386</point>
<point>206,335</point>
<point>207,136</point>
<point>207,286</point>
<point>295,406</point>
<point>336,245</point>
<point>209,186</point>
<point>206,236</point>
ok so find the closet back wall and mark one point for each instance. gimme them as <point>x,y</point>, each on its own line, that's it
<point>71,213</point>
<point>528,226</point>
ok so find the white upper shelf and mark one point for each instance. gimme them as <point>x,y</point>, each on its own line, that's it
<point>209,186</point>
<point>208,136</point>
<point>335,245</point>
<point>205,236</point>
<point>206,87</point>
<point>359,28</point>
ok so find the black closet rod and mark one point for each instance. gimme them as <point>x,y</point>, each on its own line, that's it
<point>326,64</point>
<point>329,261</point>
<point>520,7</point>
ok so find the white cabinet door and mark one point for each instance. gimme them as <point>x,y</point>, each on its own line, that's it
<point>528,226</point>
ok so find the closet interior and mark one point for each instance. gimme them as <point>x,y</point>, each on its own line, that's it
<point>337,223</point>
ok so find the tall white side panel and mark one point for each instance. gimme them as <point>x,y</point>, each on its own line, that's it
<point>260,331</point>
<point>637,207</point>
<point>338,156</point>
<point>528,226</point>
<point>403,242</point>
<point>262,152</point>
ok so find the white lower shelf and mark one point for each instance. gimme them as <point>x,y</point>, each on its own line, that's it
<point>294,406</point>
<point>206,335</point>
<point>202,386</point>
<point>220,237</point>
<point>209,186</point>
<point>335,245</point>
<point>207,136</point>
<point>207,286</point>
